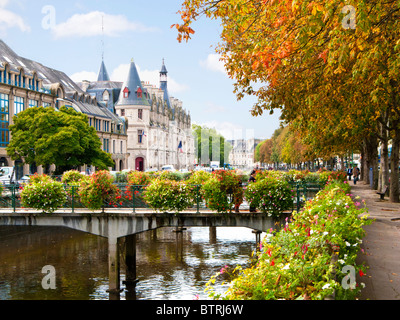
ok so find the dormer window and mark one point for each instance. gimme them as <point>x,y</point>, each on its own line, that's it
<point>106,96</point>
<point>139,93</point>
<point>126,93</point>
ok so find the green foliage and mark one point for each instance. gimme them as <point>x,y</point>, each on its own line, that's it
<point>168,196</point>
<point>72,177</point>
<point>271,196</point>
<point>137,178</point>
<point>45,136</point>
<point>207,141</point>
<point>45,194</point>
<point>39,178</point>
<point>199,177</point>
<point>98,190</point>
<point>297,262</point>
<point>223,191</point>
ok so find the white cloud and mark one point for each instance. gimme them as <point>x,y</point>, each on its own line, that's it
<point>90,24</point>
<point>9,19</point>
<point>213,63</point>
<point>152,76</point>
<point>84,75</point>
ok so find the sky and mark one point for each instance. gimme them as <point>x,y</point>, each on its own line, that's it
<point>68,36</point>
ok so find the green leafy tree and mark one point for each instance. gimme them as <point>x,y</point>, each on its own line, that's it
<point>45,136</point>
<point>208,142</point>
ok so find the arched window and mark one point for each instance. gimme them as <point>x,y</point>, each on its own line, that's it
<point>139,93</point>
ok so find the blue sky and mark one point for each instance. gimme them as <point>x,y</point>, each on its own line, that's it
<point>67,35</point>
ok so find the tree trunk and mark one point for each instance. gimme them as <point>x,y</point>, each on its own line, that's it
<point>370,147</point>
<point>394,166</point>
<point>364,162</point>
<point>384,165</point>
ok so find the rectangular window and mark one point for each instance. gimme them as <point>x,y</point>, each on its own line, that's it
<point>140,114</point>
<point>33,103</point>
<point>18,105</point>
<point>4,123</point>
<point>140,136</point>
<point>122,112</point>
<point>122,144</point>
<point>113,146</point>
<point>106,144</point>
<point>46,104</point>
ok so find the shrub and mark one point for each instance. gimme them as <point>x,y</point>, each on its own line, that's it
<point>39,178</point>
<point>72,177</point>
<point>270,196</point>
<point>167,195</point>
<point>46,195</point>
<point>223,191</point>
<point>199,177</point>
<point>98,190</point>
<point>137,178</point>
<point>296,263</point>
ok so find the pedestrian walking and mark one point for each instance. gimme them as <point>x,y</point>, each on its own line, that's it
<point>251,180</point>
<point>356,173</point>
<point>350,173</point>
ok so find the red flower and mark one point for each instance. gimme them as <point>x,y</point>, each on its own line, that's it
<point>361,273</point>
<point>272,263</point>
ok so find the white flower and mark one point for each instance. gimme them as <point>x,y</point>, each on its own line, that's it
<point>341,261</point>
<point>286,267</point>
<point>347,244</point>
<point>327,286</point>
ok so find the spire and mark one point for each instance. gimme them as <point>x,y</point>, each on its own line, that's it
<point>163,68</point>
<point>132,92</point>
<point>164,83</point>
<point>103,74</point>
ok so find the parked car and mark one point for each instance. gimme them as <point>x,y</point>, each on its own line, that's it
<point>168,168</point>
<point>24,179</point>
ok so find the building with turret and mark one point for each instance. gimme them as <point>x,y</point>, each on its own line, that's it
<point>158,128</point>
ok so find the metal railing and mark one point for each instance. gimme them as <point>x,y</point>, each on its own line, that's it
<point>131,197</point>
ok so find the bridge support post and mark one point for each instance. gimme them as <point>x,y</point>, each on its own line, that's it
<point>113,268</point>
<point>130,267</point>
<point>213,235</point>
<point>258,238</point>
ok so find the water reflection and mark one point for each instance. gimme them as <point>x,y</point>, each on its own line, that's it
<point>170,265</point>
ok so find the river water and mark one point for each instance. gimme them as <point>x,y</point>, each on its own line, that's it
<point>170,266</point>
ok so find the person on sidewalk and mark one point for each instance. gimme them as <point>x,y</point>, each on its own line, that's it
<point>350,173</point>
<point>251,180</point>
<point>356,173</point>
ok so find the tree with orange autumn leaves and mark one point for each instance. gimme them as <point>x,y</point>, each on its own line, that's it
<point>332,71</point>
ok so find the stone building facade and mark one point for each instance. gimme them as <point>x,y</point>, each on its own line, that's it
<point>159,130</point>
<point>25,84</point>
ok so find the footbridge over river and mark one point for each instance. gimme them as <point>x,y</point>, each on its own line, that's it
<point>119,224</point>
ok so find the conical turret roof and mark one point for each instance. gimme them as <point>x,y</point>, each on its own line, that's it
<point>103,74</point>
<point>132,92</point>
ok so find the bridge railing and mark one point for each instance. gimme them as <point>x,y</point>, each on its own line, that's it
<point>131,197</point>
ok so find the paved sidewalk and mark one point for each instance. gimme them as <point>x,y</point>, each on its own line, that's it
<point>381,246</point>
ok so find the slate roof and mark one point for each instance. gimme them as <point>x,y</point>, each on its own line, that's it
<point>52,76</point>
<point>48,75</point>
<point>133,83</point>
<point>103,74</point>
